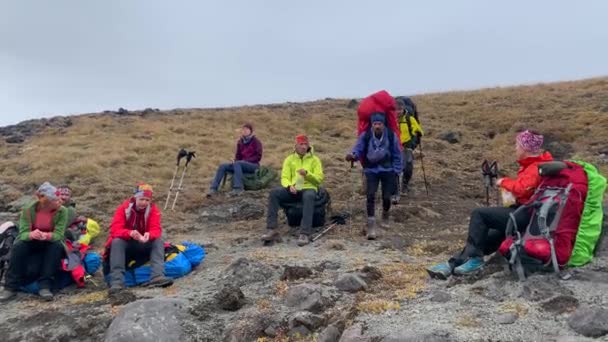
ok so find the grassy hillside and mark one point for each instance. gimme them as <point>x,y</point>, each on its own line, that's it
<point>102,155</point>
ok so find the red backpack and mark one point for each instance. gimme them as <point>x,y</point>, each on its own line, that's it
<point>379,102</point>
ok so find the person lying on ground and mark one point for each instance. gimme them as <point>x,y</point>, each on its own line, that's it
<point>40,242</point>
<point>136,234</point>
<point>301,177</point>
<point>246,160</point>
<point>80,229</point>
<point>487,225</point>
<point>379,150</point>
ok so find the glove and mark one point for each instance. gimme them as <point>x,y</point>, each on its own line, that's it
<point>350,157</point>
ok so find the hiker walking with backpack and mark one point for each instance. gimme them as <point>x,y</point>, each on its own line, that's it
<point>246,160</point>
<point>411,132</point>
<point>487,225</point>
<point>136,233</point>
<point>40,242</point>
<point>379,150</point>
<point>301,177</point>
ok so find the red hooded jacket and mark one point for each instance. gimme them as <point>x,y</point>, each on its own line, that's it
<point>527,180</point>
<point>121,227</point>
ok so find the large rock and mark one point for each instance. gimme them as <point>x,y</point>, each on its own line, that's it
<point>305,297</point>
<point>243,209</point>
<point>305,318</point>
<point>590,322</point>
<point>354,333</point>
<point>351,282</point>
<point>560,304</point>
<point>329,334</point>
<point>451,137</point>
<point>245,271</point>
<point>145,320</point>
<point>247,327</point>
<point>296,272</point>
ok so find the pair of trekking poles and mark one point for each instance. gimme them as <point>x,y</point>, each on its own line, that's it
<point>181,154</point>
<point>489,171</point>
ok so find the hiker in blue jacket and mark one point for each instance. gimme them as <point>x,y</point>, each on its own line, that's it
<point>379,150</point>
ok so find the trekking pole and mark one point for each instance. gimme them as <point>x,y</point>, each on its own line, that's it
<point>337,220</point>
<point>189,157</point>
<point>180,154</point>
<point>426,184</point>
<point>353,181</point>
<point>489,172</point>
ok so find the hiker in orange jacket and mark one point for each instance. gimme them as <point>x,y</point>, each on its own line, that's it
<point>487,225</point>
<point>136,233</point>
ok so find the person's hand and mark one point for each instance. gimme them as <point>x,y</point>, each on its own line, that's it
<point>145,238</point>
<point>135,235</point>
<point>499,181</point>
<point>292,189</point>
<point>350,157</point>
<point>36,235</point>
<point>302,172</point>
<point>47,236</point>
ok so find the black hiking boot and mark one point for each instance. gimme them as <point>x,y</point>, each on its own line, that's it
<point>303,240</point>
<point>46,294</point>
<point>371,228</point>
<point>384,223</point>
<point>160,281</point>
<point>271,235</point>
<point>211,193</point>
<point>7,294</point>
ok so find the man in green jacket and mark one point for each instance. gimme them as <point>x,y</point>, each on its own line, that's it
<point>301,176</point>
<point>40,242</point>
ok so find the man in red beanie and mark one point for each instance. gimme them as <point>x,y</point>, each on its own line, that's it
<point>301,176</point>
<point>136,233</point>
<point>246,160</point>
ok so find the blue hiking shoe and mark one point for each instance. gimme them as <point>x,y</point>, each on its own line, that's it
<point>472,265</point>
<point>440,271</point>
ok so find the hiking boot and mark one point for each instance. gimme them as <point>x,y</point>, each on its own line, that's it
<point>46,294</point>
<point>236,192</point>
<point>405,189</point>
<point>440,271</point>
<point>384,223</point>
<point>371,228</point>
<point>395,199</point>
<point>303,240</point>
<point>160,281</point>
<point>271,235</point>
<point>472,265</point>
<point>114,289</point>
<point>7,294</point>
<point>211,193</point>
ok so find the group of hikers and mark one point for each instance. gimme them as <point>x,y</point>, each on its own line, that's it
<point>389,131</point>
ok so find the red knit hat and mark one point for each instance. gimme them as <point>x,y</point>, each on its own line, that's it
<point>301,139</point>
<point>143,190</point>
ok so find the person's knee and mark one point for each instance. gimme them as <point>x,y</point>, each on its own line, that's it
<point>309,196</point>
<point>118,243</point>
<point>276,192</point>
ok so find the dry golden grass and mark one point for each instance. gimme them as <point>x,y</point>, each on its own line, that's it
<point>103,155</point>
<point>377,306</point>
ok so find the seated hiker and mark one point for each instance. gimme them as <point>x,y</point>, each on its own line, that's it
<point>378,147</point>
<point>411,132</point>
<point>79,229</point>
<point>136,233</point>
<point>40,241</point>
<point>246,160</point>
<point>487,225</point>
<point>301,176</point>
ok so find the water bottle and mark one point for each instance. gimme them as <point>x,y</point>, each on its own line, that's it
<point>299,182</point>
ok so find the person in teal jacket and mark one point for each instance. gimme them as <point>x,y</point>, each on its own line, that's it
<point>301,176</point>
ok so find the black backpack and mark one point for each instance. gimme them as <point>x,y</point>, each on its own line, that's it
<point>7,239</point>
<point>293,211</point>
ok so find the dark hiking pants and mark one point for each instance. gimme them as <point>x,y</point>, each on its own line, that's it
<point>122,251</point>
<point>282,195</point>
<point>389,181</point>
<point>46,255</point>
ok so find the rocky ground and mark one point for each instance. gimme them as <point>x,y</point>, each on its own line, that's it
<point>340,288</point>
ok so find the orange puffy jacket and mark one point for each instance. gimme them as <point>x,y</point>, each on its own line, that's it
<point>527,180</point>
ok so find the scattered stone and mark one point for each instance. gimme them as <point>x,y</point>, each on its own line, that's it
<point>351,282</point>
<point>246,327</point>
<point>328,265</point>
<point>507,318</point>
<point>230,298</point>
<point>589,322</point>
<point>15,139</point>
<point>296,272</point>
<point>148,320</point>
<point>298,332</point>
<point>329,334</point>
<point>370,273</point>
<point>305,318</point>
<point>245,271</point>
<point>451,137</point>
<point>440,297</point>
<point>560,304</point>
<point>491,134</point>
<point>354,333</point>
<point>305,297</point>
<point>122,297</point>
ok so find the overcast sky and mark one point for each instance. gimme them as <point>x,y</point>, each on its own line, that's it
<point>66,57</point>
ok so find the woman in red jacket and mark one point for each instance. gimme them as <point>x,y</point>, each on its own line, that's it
<point>135,233</point>
<point>487,225</point>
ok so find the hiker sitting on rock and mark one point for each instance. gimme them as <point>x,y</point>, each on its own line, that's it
<point>79,228</point>
<point>246,160</point>
<point>411,132</point>
<point>40,243</point>
<point>301,176</point>
<point>136,234</point>
<point>487,225</point>
<point>378,147</point>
